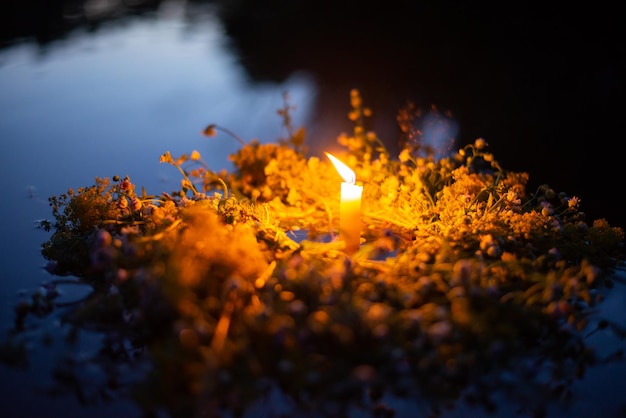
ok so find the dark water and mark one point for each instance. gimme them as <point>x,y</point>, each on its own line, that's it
<point>100,89</point>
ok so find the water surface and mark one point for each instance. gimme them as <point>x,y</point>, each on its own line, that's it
<point>109,101</point>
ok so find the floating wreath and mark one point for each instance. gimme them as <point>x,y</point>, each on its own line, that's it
<point>235,288</point>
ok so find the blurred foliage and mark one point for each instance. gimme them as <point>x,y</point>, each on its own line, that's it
<point>234,287</point>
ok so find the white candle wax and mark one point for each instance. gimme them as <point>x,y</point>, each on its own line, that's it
<point>349,207</point>
<point>350,216</point>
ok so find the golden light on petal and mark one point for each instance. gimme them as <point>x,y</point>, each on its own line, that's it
<point>344,171</point>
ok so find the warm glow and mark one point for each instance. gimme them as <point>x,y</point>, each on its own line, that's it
<point>349,207</point>
<point>344,171</point>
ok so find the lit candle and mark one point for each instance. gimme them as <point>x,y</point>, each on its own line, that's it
<point>349,207</point>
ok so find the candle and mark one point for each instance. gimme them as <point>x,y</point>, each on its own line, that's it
<point>349,206</point>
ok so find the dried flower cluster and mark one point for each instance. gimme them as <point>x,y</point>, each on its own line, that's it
<point>466,283</point>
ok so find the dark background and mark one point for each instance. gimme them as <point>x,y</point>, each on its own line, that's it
<point>543,85</point>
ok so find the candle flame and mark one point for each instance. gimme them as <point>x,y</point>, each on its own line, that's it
<point>344,171</point>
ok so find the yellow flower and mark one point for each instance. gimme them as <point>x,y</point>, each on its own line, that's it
<point>480,143</point>
<point>166,158</point>
<point>405,155</point>
<point>513,198</point>
<point>195,155</point>
<point>573,202</point>
<point>135,203</point>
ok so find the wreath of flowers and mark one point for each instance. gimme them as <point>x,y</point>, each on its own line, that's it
<point>235,290</point>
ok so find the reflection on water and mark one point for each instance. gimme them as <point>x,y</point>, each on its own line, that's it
<point>109,101</point>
